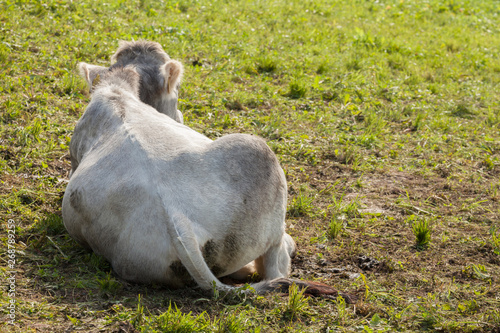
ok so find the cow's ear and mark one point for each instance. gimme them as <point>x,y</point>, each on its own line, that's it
<point>172,74</point>
<point>91,73</point>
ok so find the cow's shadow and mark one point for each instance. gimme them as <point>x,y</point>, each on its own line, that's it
<point>60,271</point>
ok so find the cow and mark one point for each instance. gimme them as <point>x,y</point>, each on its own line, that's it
<point>165,204</point>
<point>160,76</point>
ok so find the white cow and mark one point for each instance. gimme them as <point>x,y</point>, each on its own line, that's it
<point>164,203</point>
<point>160,76</point>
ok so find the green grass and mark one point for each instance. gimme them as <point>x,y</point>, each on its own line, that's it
<point>382,114</point>
<point>422,231</point>
<point>335,228</point>
<point>301,204</point>
<point>297,304</point>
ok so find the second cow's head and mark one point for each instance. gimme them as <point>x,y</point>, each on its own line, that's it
<point>160,76</point>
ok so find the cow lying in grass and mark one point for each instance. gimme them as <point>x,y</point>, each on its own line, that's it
<point>163,203</point>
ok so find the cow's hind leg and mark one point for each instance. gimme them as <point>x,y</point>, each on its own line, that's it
<point>276,262</point>
<point>245,272</point>
<point>276,268</point>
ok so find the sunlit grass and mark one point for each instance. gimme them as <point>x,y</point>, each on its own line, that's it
<point>384,116</point>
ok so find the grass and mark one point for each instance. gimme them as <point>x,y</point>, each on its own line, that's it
<point>422,231</point>
<point>382,114</point>
<point>495,241</point>
<point>301,204</point>
<point>335,228</point>
<point>297,304</point>
<point>297,89</point>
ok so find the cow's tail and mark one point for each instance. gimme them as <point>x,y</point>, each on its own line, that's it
<point>190,255</point>
<point>187,248</point>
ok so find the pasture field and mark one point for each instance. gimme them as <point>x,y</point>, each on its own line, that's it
<point>384,115</point>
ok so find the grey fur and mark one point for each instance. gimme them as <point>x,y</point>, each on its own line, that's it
<point>159,75</point>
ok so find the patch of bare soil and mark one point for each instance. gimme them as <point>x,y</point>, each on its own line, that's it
<point>378,241</point>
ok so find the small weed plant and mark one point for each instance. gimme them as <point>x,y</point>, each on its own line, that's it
<point>422,231</point>
<point>232,322</point>
<point>266,64</point>
<point>108,285</point>
<point>495,240</point>
<point>301,204</point>
<point>297,304</point>
<point>342,314</point>
<point>174,320</point>
<point>297,89</point>
<point>477,272</point>
<point>138,316</point>
<point>335,228</point>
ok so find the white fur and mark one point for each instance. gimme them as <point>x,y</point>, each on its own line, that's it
<point>147,192</point>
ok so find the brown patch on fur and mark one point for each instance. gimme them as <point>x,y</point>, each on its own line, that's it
<point>218,255</point>
<point>181,273</point>
<point>75,199</point>
<point>211,254</point>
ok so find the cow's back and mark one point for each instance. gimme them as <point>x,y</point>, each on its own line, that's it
<point>232,190</point>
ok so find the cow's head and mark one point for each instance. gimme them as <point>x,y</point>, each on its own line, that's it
<point>160,76</point>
